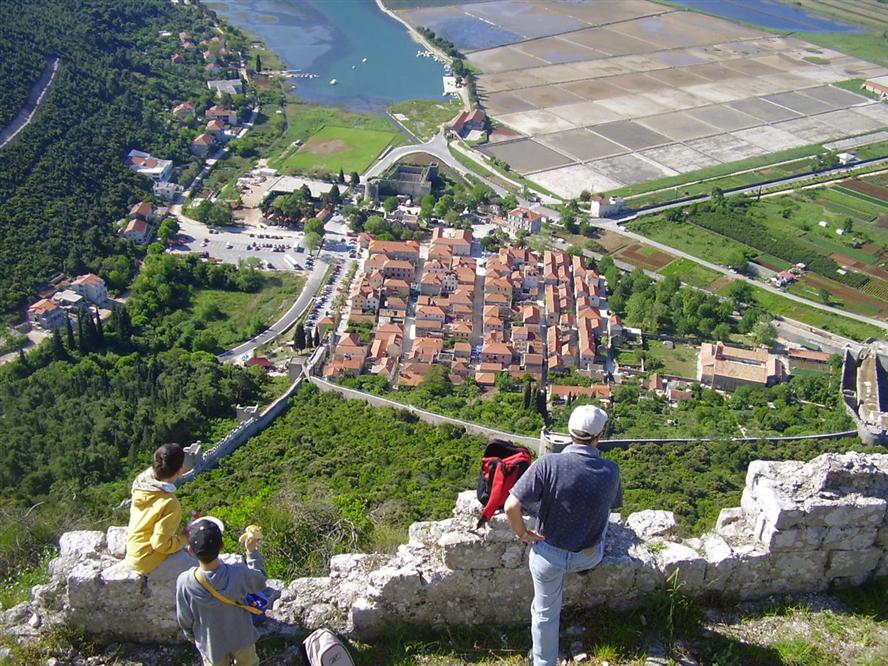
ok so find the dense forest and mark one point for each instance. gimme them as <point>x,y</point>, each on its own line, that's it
<point>63,183</point>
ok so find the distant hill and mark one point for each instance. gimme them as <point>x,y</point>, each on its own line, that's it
<point>63,182</point>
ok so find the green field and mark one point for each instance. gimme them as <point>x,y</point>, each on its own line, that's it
<point>812,316</point>
<point>856,86</point>
<point>690,273</point>
<point>423,117</point>
<point>870,46</point>
<point>333,148</point>
<point>680,361</point>
<point>691,239</point>
<point>235,315</point>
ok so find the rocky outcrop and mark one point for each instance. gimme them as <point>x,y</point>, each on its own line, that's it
<point>801,527</point>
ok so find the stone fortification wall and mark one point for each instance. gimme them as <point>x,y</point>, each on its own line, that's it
<point>801,527</point>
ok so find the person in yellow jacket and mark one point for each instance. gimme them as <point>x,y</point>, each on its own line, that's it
<point>155,540</point>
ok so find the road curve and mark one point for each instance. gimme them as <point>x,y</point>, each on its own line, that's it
<point>35,99</point>
<point>286,321</point>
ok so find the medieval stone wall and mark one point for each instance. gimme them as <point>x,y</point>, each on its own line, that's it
<point>801,527</point>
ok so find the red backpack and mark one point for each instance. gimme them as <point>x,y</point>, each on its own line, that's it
<point>502,466</point>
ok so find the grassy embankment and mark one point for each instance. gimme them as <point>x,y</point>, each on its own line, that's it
<point>423,117</point>
<point>237,313</point>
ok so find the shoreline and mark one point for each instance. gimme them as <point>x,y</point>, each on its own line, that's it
<point>419,39</point>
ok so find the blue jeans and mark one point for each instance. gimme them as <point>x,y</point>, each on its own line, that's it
<point>548,565</point>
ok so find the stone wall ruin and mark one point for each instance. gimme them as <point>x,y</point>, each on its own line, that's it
<point>801,527</point>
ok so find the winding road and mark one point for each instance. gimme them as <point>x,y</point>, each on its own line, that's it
<point>290,316</point>
<point>32,105</point>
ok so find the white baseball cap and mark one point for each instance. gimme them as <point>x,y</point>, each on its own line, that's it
<point>586,422</point>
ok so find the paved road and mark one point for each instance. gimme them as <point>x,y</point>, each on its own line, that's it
<point>32,104</point>
<point>302,303</point>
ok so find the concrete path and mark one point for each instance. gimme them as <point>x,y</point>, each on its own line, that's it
<point>32,105</point>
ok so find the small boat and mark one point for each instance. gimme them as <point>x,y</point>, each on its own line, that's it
<point>332,82</point>
<point>363,59</point>
<point>353,66</point>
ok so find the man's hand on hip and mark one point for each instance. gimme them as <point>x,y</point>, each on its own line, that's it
<point>530,537</point>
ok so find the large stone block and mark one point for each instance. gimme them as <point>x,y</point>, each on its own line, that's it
<point>463,550</point>
<point>780,510</point>
<point>751,572</point>
<point>121,581</point>
<point>514,555</point>
<point>691,568</point>
<point>853,563</point>
<point>651,523</point>
<point>847,511</point>
<point>84,584</point>
<point>720,562</point>
<point>798,572</point>
<point>428,532</point>
<point>396,585</point>
<point>81,543</point>
<point>796,538</point>
<point>115,537</point>
<point>853,538</point>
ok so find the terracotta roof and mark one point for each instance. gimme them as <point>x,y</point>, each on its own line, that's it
<point>597,390</point>
<point>89,278</point>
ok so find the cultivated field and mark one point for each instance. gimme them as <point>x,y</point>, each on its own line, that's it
<point>608,94</point>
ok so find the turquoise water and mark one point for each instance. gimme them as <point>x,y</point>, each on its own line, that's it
<point>330,38</point>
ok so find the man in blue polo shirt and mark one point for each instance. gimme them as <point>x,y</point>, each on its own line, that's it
<point>572,493</point>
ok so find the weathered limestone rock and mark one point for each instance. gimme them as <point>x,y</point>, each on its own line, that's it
<point>81,543</point>
<point>115,537</point>
<point>853,564</point>
<point>857,510</point>
<point>851,538</point>
<point>690,566</point>
<point>720,562</point>
<point>798,572</point>
<point>470,551</point>
<point>651,523</point>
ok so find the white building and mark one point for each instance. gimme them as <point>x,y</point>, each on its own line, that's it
<point>47,314</point>
<point>143,163</point>
<point>605,207</point>
<point>166,190</point>
<point>91,287</point>
<point>230,86</point>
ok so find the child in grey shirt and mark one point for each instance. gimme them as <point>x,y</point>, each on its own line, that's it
<point>223,633</point>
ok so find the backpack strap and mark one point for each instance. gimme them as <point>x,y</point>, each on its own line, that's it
<point>205,584</point>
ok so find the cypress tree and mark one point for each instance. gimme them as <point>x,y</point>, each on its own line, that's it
<point>341,177</point>
<point>299,337</point>
<point>81,336</point>
<point>541,405</point>
<point>23,359</point>
<point>526,402</point>
<point>317,337</point>
<point>69,334</point>
<point>89,329</point>
<point>58,349</point>
<point>100,331</point>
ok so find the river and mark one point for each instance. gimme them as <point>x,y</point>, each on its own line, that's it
<point>332,38</point>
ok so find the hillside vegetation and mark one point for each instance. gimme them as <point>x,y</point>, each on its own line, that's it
<point>63,182</point>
